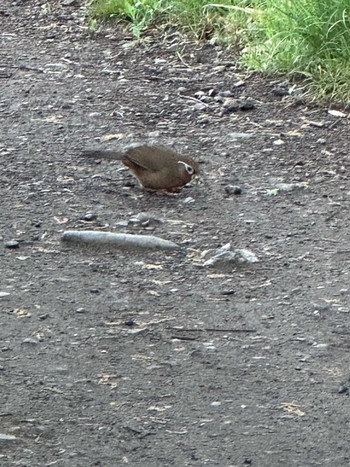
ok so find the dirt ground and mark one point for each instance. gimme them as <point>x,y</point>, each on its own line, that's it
<point>112,358</point>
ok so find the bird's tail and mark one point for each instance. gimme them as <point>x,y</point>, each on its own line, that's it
<point>102,154</point>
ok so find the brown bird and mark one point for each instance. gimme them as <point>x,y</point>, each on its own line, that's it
<point>155,167</point>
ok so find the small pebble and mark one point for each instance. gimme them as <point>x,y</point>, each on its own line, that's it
<point>189,200</point>
<point>70,3</point>
<point>130,322</point>
<point>280,91</point>
<point>219,69</point>
<point>219,98</point>
<point>226,93</point>
<point>233,190</point>
<point>206,99</point>
<point>12,244</point>
<point>228,292</point>
<point>248,106</point>
<point>203,119</point>
<point>122,224</point>
<point>89,216</point>
<point>30,340</point>
<point>200,107</point>
<point>344,389</point>
<point>231,103</point>
<point>4,294</point>
<point>239,84</point>
<point>145,219</point>
<point>44,316</point>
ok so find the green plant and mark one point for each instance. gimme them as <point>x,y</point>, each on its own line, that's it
<point>304,37</point>
<point>140,13</point>
<point>309,38</point>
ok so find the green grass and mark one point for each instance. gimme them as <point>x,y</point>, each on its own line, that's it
<point>140,14</point>
<point>308,38</point>
<point>201,18</point>
<point>304,37</point>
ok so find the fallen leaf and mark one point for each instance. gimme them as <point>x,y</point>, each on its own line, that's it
<point>61,220</point>
<point>272,192</point>
<point>111,136</point>
<point>22,312</point>
<point>292,407</point>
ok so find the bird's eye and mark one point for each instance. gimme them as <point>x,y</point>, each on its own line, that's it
<point>188,168</point>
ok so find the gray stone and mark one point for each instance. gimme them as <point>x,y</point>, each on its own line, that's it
<point>11,244</point>
<point>233,190</point>
<point>225,258</point>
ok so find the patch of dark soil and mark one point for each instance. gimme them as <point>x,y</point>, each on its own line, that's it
<point>111,358</point>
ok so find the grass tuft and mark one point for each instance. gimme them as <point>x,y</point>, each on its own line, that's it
<point>140,14</point>
<point>309,38</point>
<point>303,37</point>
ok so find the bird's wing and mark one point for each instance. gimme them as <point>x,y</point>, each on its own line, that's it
<point>151,158</point>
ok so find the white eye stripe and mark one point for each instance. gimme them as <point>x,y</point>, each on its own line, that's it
<point>188,168</point>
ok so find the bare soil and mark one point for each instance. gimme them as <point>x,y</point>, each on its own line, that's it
<point>112,358</point>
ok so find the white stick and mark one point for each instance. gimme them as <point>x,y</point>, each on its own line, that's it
<point>115,240</point>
